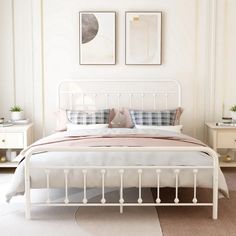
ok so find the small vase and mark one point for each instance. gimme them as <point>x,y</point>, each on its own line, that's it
<point>233,115</point>
<point>17,115</point>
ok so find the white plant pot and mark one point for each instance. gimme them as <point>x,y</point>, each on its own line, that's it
<point>17,115</point>
<point>233,115</point>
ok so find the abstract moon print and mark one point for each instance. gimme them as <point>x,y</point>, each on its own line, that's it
<point>97,38</point>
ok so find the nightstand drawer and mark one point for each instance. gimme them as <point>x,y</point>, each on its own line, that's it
<point>2,140</point>
<point>14,137</point>
<point>11,140</point>
<point>226,139</point>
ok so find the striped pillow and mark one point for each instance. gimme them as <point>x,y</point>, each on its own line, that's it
<point>88,117</point>
<point>154,118</point>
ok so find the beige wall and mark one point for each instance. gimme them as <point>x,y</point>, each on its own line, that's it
<point>31,68</point>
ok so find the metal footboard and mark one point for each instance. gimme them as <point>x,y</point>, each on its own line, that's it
<point>120,171</point>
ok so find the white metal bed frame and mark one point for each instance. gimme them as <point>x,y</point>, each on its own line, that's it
<point>120,170</point>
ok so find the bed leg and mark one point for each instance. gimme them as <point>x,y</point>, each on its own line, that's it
<point>121,209</point>
<point>27,190</point>
<point>27,204</point>
<point>214,214</point>
<point>215,201</point>
<point>215,189</point>
<point>27,213</point>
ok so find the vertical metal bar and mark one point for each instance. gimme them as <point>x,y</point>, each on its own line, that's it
<point>85,200</point>
<point>142,96</point>
<point>103,200</point>
<point>121,171</point>
<point>27,188</point>
<point>158,200</point>
<point>179,92</point>
<point>47,172</point>
<point>66,200</point>
<point>140,200</point>
<point>176,185</point>
<point>95,104</point>
<point>154,101</point>
<point>107,100</point>
<point>130,100</point>
<point>215,186</point>
<point>195,171</point>
<point>71,100</point>
<point>118,98</point>
<point>166,100</point>
<point>83,100</point>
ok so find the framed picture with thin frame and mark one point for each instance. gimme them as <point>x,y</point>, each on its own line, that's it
<point>97,33</point>
<point>143,38</point>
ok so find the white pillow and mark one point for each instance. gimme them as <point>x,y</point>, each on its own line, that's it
<point>172,128</point>
<point>79,127</point>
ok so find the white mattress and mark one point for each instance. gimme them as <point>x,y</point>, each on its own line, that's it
<point>38,177</point>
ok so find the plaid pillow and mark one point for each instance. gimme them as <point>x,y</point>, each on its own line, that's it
<point>151,118</point>
<point>88,117</point>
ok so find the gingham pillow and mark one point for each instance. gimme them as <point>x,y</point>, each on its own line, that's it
<point>88,117</point>
<point>154,118</point>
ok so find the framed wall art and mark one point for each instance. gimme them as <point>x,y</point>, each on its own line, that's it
<point>97,38</point>
<point>143,38</point>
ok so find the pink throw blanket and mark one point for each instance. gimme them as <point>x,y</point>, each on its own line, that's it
<point>118,140</point>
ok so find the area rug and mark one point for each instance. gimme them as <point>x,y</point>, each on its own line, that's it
<point>82,221</point>
<point>195,221</point>
<point>138,221</point>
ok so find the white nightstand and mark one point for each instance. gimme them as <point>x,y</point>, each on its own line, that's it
<point>15,137</point>
<point>222,137</point>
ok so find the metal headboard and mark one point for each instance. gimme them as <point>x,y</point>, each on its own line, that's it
<point>87,94</point>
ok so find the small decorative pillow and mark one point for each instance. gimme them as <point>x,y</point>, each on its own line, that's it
<point>120,118</point>
<point>155,118</point>
<point>88,117</point>
<point>179,112</point>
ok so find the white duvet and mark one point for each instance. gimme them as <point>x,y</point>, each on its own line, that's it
<point>112,179</point>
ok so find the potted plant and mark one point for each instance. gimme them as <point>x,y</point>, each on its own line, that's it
<point>16,113</point>
<point>233,112</point>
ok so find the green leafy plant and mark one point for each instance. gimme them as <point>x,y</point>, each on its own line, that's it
<point>233,108</point>
<point>16,109</point>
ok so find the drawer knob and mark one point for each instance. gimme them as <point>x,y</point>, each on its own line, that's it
<point>3,140</point>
